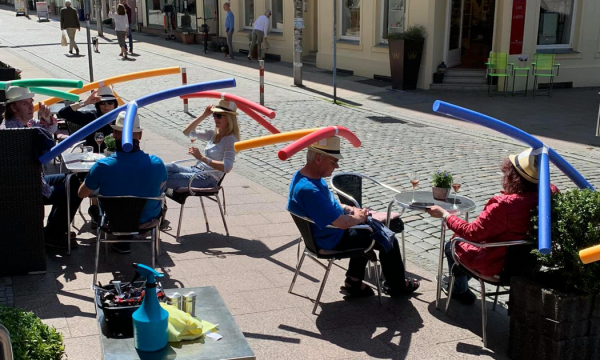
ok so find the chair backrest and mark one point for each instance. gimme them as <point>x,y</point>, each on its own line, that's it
<point>498,61</point>
<point>351,185</point>
<point>544,62</point>
<point>72,127</point>
<point>306,232</point>
<point>519,261</point>
<point>123,213</point>
<point>22,209</point>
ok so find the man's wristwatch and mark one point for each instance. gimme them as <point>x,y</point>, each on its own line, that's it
<point>81,103</point>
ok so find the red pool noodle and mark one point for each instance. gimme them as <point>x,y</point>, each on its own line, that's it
<point>259,119</point>
<point>316,136</point>
<point>236,99</point>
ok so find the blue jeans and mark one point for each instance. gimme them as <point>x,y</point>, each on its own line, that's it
<point>179,176</point>
<point>130,40</point>
<point>56,224</point>
<point>461,282</point>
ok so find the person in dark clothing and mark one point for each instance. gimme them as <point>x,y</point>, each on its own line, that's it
<point>129,12</point>
<point>104,101</point>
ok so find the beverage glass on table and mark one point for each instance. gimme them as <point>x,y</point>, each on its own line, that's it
<point>193,137</point>
<point>456,184</point>
<point>413,176</point>
<point>99,137</point>
<point>87,151</point>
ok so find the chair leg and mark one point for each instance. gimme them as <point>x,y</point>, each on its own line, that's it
<point>204,212</point>
<point>450,289</point>
<point>505,85</point>
<point>378,282</point>
<point>153,244</point>
<point>222,215</point>
<point>496,298</point>
<point>224,204</point>
<point>179,225</point>
<point>534,85</point>
<point>96,258</point>
<point>106,248</point>
<point>551,86</point>
<point>369,269</point>
<point>403,250</point>
<point>322,286</point>
<point>297,272</point>
<point>489,79</point>
<point>483,313</point>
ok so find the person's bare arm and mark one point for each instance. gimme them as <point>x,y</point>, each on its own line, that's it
<point>347,221</point>
<point>84,191</point>
<point>194,124</point>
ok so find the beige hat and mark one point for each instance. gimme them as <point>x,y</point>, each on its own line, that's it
<point>224,106</point>
<point>106,94</point>
<point>329,146</point>
<point>17,93</point>
<point>120,121</point>
<point>526,165</point>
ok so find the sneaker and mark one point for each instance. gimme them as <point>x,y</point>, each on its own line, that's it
<point>467,297</point>
<point>71,52</point>
<point>249,58</point>
<point>77,51</point>
<point>123,248</point>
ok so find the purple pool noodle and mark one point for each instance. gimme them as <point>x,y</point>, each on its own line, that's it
<point>127,138</point>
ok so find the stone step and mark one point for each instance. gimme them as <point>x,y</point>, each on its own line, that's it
<point>465,73</point>
<point>458,87</point>
<point>464,80</point>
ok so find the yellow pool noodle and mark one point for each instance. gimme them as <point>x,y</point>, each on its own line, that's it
<point>272,139</point>
<point>590,254</point>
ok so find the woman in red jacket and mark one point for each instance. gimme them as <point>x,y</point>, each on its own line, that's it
<point>505,217</point>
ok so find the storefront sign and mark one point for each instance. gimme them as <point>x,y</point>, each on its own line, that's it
<point>42,10</point>
<point>517,27</point>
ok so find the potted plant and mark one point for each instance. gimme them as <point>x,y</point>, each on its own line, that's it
<point>111,145</point>
<point>442,181</point>
<point>187,37</point>
<point>406,49</point>
<point>560,305</point>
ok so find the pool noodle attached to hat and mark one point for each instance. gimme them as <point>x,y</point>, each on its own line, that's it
<point>272,139</point>
<point>42,82</point>
<point>590,254</point>
<point>141,102</point>
<point>316,136</point>
<point>55,93</point>
<point>544,157</point>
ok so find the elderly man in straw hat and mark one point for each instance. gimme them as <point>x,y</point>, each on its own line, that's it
<point>18,112</point>
<point>310,197</point>
<point>133,173</point>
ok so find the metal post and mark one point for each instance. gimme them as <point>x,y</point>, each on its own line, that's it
<point>89,46</point>
<point>99,11</point>
<point>298,26</point>
<point>184,82</point>
<point>261,66</point>
<point>334,51</point>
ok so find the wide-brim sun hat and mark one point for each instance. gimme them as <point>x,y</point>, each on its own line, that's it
<point>329,146</point>
<point>18,93</point>
<point>224,106</point>
<point>121,120</point>
<point>526,165</point>
<point>106,94</point>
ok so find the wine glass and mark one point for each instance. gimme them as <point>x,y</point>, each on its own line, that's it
<point>413,176</point>
<point>99,137</point>
<point>456,184</point>
<point>193,137</point>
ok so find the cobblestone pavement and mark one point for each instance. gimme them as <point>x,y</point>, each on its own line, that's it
<point>391,146</point>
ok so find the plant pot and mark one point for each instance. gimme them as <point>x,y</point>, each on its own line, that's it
<point>187,38</point>
<point>108,152</point>
<point>440,193</point>
<point>405,61</point>
<point>438,78</point>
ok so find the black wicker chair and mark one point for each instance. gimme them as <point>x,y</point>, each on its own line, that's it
<point>348,187</point>
<point>518,262</point>
<point>314,252</point>
<point>180,196</point>
<point>22,211</point>
<point>120,216</point>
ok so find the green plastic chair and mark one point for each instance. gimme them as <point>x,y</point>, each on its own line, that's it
<point>497,66</point>
<point>544,66</point>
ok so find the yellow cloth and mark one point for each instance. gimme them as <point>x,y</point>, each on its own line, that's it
<point>182,326</point>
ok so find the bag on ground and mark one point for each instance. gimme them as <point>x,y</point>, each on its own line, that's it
<point>63,39</point>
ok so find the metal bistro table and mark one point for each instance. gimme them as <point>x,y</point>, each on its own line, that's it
<point>423,198</point>
<point>209,307</point>
<point>75,163</point>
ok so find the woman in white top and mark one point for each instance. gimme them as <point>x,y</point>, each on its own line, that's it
<point>121,27</point>
<point>219,153</point>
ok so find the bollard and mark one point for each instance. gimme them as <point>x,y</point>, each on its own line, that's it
<point>184,82</point>
<point>261,66</point>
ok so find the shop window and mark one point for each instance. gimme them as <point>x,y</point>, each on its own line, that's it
<point>248,14</point>
<point>557,20</point>
<point>154,9</point>
<point>393,16</point>
<point>277,16</point>
<point>350,14</point>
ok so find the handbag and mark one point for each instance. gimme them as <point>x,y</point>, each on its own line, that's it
<point>381,234</point>
<point>63,39</point>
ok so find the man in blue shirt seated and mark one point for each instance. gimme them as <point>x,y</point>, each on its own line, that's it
<point>310,197</point>
<point>133,173</point>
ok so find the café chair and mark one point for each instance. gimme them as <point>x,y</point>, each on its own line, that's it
<point>120,217</point>
<point>349,188</point>
<point>315,253</point>
<point>518,261</point>
<point>544,66</point>
<point>498,67</point>
<point>181,194</point>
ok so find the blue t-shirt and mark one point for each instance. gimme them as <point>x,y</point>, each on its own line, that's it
<point>312,198</point>
<point>134,174</point>
<point>229,22</point>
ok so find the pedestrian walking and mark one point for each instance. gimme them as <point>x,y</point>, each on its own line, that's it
<point>121,27</point>
<point>229,21</point>
<point>259,34</point>
<point>69,21</point>
<point>128,10</point>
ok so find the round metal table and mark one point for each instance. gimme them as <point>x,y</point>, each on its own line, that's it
<point>424,199</point>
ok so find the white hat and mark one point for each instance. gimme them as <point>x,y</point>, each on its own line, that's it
<point>17,93</point>
<point>329,146</point>
<point>225,106</point>
<point>121,119</point>
<point>106,94</point>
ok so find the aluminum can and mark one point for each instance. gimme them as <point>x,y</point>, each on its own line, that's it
<point>189,303</point>
<point>176,300</point>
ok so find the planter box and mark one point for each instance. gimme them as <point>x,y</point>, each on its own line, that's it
<point>8,74</point>
<point>187,38</point>
<point>405,61</point>
<point>548,324</point>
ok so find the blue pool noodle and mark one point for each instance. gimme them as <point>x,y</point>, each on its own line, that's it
<point>109,117</point>
<point>127,138</point>
<point>544,233</point>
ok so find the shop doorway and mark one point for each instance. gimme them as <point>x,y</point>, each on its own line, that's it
<point>210,15</point>
<point>469,33</point>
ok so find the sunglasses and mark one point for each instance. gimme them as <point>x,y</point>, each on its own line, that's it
<point>218,116</point>
<point>106,102</point>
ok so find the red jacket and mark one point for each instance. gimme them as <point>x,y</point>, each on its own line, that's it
<point>505,217</point>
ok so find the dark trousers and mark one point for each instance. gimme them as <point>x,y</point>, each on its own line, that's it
<point>461,281</point>
<point>391,262</point>
<point>57,219</point>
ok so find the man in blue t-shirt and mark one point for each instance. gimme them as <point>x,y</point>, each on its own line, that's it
<point>310,197</point>
<point>133,173</point>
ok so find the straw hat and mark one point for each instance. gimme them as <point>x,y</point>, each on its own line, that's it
<point>106,94</point>
<point>121,119</point>
<point>526,165</point>
<point>224,106</point>
<point>329,146</point>
<point>17,93</point>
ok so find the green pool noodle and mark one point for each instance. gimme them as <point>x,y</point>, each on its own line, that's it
<point>44,82</point>
<point>55,93</point>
